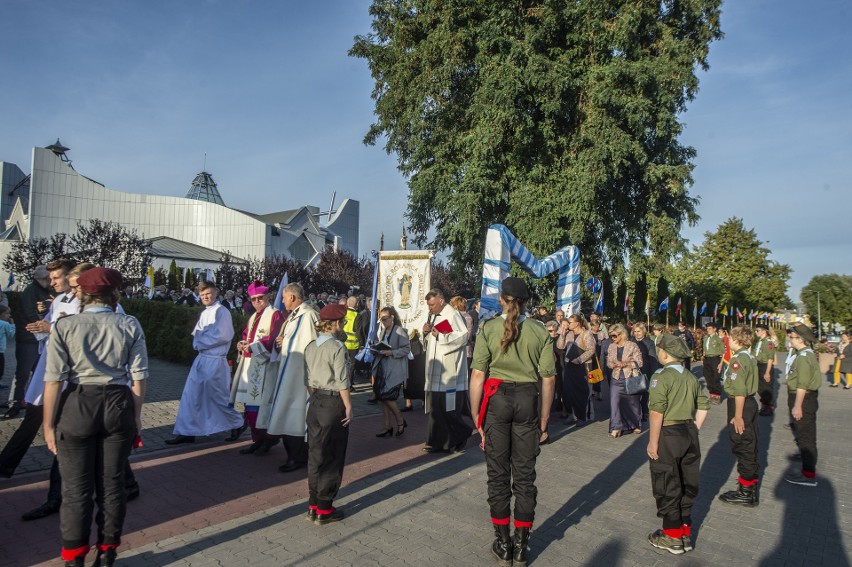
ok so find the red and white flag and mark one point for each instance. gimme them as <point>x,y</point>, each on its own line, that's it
<point>626,302</point>
<point>677,309</point>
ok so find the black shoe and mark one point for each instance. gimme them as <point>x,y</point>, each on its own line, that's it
<point>461,447</point>
<point>385,433</point>
<point>42,511</point>
<point>181,439</point>
<point>263,448</point>
<point>7,473</point>
<point>435,450</point>
<point>79,562</point>
<point>501,549</point>
<point>742,496</point>
<point>407,408</point>
<point>236,433</point>
<point>335,516</point>
<point>400,429</point>
<point>13,410</point>
<point>372,401</point>
<point>132,492</point>
<point>311,515</point>
<point>519,547</point>
<point>291,466</point>
<point>105,558</point>
<point>250,449</point>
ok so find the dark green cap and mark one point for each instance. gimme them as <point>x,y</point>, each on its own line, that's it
<point>675,346</point>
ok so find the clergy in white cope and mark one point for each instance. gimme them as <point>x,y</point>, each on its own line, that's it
<point>445,340</point>
<point>204,407</point>
<point>289,397</point>
<point>251,386</point>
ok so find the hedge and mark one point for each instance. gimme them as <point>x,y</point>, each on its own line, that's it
<point>167,327</point>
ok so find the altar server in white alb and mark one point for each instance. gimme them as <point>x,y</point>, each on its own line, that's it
<point>445,334</point>
<point>204,405</point>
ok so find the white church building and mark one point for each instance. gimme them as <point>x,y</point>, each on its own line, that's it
<point>193,230</point>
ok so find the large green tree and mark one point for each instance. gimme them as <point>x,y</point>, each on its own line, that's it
<point>732,267</point>
<point>557,118</point>
<point>835,298</point>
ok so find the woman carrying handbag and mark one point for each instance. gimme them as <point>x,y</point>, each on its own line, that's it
<point>575,382</point>
<point>625,360</point>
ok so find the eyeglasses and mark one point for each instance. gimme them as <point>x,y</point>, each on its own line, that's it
<point>614,336</point>
<point>383,319</point>
<point>258,299</point>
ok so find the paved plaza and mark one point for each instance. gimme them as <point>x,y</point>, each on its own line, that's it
<point>204,504</point>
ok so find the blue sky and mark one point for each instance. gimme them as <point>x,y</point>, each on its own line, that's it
<point>140,91</point>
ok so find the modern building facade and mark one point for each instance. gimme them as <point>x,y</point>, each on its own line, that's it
<point>54,197</point>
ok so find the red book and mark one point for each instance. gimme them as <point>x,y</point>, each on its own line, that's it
<point>444,327</point>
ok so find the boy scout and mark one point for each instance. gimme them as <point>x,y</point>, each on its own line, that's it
<point>740,386</point>
<point>764,353</point>
<point>678,408</point>
<point>803,382</point>
<point>714,348</point>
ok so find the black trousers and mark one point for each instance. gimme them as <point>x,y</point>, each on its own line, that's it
<point>765,390</point>
<point>297,449</point>
<point>712,376</point>
<point>95,431</point>
<point>447,430</point>
<point>806,429</point>
<point>675,474</point>
<point>512,431</point>
<point>26,358</point>
<point>327,441</point>
<point>54,489</point>
<point>21,439</point>
<point>744,446</point>
<point>576,391</point>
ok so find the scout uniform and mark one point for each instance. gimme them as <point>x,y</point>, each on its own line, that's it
<point>714,348</point>
<point>804,374</point>
<point>764,353</point>
<point>327,375</point>
<point>510,420</point>
<point>741,381</point>
<point>675,393</point>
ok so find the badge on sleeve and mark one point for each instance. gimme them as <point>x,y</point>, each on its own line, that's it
<point>735,366</point>
<point>654,383</point>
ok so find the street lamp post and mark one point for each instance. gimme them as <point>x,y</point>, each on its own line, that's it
<point>819,319</point>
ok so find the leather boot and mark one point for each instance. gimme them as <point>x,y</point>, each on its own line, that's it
<point>522,537</point>
<point>78,562</point>
<point>502,546</point>
<point>743,496</point>
<point>105,558</point>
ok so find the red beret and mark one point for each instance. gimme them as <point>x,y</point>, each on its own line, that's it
<point>100,281</point>
<point>332,312</point>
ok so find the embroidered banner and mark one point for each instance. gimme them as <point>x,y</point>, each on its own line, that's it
<point>404,280</point>
<point>501,246</point>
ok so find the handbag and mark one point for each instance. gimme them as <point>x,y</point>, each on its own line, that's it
<point>594,374</point>
<point>635,384</point>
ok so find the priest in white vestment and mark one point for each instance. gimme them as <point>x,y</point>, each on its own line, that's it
<point>289,397</point>
<point>445,341</point>
<point>205,407</point>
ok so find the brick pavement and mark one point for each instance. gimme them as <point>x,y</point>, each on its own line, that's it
<point>404,507</point>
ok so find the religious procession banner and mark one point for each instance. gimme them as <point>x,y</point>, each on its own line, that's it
<point>404,280</point>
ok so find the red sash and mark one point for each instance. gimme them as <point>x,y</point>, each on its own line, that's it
<point>488,390</point>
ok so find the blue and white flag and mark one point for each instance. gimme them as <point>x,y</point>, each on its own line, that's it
<point>11,280</point>
<point>366,355</point>
<point>664,304</point>
<point>599,305</point>
<point>703,309</point>
<point>501,246</point>
<point>208,275</point>
<point>279,295</point>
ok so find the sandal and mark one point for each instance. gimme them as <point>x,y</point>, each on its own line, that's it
<point>385,433</point>
<point>637,431</point>
<point>614,434</point>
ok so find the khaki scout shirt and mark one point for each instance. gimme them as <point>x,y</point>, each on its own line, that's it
<point>526,360</point>
<point>326,364</point>
<point>713,345</point>
<point>804,372</point>
<point>741,376</point>
<point>676,393</point>
<point>763,350</point>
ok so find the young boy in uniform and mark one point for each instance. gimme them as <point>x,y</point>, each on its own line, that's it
<point>764,353</point>
<point>740,386</point>
<point>678,408</point>
<point>803,382</point>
